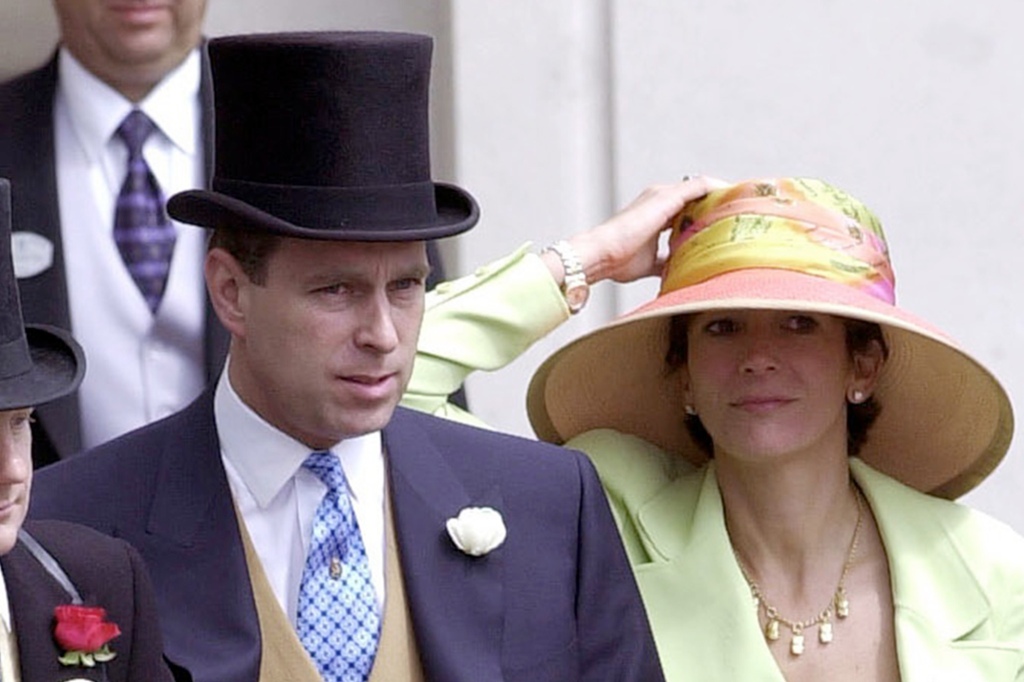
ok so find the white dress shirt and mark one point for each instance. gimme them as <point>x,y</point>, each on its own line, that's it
<point>140,367</point>
<point>9,665</point>
<point>278,497</point>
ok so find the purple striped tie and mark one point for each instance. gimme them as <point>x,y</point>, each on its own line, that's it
<point>143,232</point>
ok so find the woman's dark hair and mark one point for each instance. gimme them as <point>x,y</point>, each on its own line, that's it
<point>859,417</point>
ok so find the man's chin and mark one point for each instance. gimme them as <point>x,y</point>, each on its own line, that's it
<point>359,423</point>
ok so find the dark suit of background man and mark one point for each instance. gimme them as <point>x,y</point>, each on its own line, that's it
<point>66,165</point>
<point>58,146</point>
<point>50,564</point>
<point>321,202</point>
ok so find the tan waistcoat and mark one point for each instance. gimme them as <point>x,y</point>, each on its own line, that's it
<point>284,659</point>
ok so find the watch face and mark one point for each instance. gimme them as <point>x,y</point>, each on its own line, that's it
<point>576,296</point>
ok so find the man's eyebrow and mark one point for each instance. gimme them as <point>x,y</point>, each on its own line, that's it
<point>355,274</point>
<point>419,271</point>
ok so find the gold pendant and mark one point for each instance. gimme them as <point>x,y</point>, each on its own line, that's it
<point>771,630</point>
<point>796,647</point>
<point>335,568</point>
<point>825,632</point>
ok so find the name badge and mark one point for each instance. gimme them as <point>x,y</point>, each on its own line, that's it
<point>32,254</point>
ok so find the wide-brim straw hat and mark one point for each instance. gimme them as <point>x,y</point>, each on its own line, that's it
<point>784,244</point>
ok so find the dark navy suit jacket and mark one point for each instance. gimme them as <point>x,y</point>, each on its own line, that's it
<point>106,573</point>
<point>557,601</point>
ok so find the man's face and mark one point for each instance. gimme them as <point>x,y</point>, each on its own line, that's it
<point>324,348</point>
<point>130,44</point>
<point>15,473</point>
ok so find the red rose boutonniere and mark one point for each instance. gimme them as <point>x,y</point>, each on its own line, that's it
<point>84,633</point>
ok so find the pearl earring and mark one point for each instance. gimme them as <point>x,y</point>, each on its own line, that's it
<point>690,410</point>
<point>857,397</point>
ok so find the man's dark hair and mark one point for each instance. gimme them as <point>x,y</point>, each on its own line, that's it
<point>252,249</point>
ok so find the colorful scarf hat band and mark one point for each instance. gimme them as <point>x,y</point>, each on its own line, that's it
<point>804,225</point>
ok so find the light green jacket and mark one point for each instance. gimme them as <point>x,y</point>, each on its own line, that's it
<point>957,575</point>
<point>481,322</point>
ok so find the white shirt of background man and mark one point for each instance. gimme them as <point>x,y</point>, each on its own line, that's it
<point>141,367</point>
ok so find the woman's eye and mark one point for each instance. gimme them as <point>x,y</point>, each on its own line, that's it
<point>720,327</point>
<point>801,323</point>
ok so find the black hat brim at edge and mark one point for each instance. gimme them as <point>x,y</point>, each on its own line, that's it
<point>58,366</point>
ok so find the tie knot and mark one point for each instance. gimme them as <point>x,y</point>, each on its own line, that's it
<point>328,469</point>
<point>134,130</point>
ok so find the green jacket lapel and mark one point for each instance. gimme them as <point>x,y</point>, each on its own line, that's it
<point>943,612</point>
<point>696,597</point>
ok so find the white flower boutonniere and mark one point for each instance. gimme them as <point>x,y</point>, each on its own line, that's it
<point>477,530</point>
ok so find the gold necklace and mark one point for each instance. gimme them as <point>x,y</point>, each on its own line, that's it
<point>838,606</point>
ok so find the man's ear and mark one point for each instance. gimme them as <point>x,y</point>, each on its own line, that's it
<point>227,285</point>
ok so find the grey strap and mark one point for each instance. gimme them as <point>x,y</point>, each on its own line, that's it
<point>50,564</point>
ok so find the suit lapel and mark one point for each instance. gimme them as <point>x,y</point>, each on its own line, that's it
<point>682,528</point>
<point>33,595</point>
<point>456,602</point>
<point>195,554</point>
<point>942,613</point>
<point>190,476</point>
<point>33,175</point>
<point>33,178</point>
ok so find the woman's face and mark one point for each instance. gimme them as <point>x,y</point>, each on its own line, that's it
<point>769,383</point>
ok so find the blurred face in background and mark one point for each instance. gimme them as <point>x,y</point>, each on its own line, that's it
<point>130,44</point>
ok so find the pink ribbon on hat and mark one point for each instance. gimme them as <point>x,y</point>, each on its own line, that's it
<point>797,225</point>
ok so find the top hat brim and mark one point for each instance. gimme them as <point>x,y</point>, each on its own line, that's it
<point>58,366</point>
<point>319,215</point>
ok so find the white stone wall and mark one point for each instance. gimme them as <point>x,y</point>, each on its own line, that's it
<point>566,108</point>
<point>554,112</point>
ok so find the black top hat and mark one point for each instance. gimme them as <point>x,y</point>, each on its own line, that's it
<point>325,136</point>
<point>37,363</point>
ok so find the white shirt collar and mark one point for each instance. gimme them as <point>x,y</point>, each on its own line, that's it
<point>5,605</point>
<point>98,109</point>
<point>266,459</point>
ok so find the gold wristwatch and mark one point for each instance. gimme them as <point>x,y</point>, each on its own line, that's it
<point>574,285</point>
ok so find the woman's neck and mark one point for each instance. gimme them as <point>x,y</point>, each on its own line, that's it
<point>790,523</point>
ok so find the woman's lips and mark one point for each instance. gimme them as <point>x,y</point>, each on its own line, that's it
<point>759,404</point>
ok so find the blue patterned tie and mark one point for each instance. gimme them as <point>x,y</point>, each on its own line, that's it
<point>143,233</point>
<point>338,621</point>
